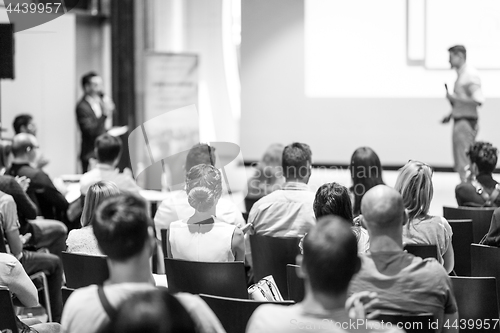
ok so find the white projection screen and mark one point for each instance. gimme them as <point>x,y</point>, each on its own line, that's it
<point>339,74</point>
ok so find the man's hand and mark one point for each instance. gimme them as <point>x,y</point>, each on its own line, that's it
<point>24,182</point>
<point>446,119</point>
<point>109,106</point>
<point>359,304</point>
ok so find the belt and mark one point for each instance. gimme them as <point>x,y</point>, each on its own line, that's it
<point>465,118</point>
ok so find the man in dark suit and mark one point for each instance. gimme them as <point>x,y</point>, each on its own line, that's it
<point>92,113</point>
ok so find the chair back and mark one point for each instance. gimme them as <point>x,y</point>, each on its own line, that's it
<point>296,290</point>
<point>485,262</point>
<point>226,279</point>
<point>234,313</point>
<point>422,251</point>
<point>270,255</point>
<point>476,300</point>
<point>480,216</point>
<point>461,241</point>
<point>82,270</point>
<point>66,293</point>
<point>411,323</point>
<point>8,316</point>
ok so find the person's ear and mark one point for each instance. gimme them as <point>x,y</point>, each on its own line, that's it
<point>405,217</point>
<point>300,271</point>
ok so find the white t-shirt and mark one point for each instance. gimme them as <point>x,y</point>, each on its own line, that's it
<point>84,313</point>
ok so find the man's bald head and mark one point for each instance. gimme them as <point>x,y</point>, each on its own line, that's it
<point>383,210</point>
<point>23,143</point>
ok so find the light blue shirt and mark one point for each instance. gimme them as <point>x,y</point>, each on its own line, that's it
<point>284,213</point>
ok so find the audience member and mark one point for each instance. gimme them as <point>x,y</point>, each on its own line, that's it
<point>93,113</point>
<point>32,262</point>
<point>39,233</point>
<point>333,199</point>
<point>83,240</point>
<point>268,175</point>
<point>327,265</point>
<point>287,212</point>
<point>24,123</point>
<point>492,238</point>
<point>50,202</point>
<point>108,150</point>
<point>414,183</point>
<point>203,236</point>
<point>14,277</point>
<point>480,189</point>
<point>153,311</point>
<point>176,206</point>
<point>124,234</point>
<point>404,283</point>
<point>366,172</point>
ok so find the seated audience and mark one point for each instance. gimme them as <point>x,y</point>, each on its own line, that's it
<point>333,199</point>
<point>124,233</point>
<point>480,189</point>
<point>24,123</point>
<point>492,238</point>
<point>404,283</point>
<point>50,202</point>
<point>32,262</point>
<point>153,311</point>
<point>176,207</point>
<point>38,233</point>
<point>108,150</point>
<point>83,240</point>
<point>268,175</point>
<point>414,183</point>
<point>366,172</point>
<point>204,236</point>
<point>14,277</point>
<point>287,212</point>
<point>327,265</point>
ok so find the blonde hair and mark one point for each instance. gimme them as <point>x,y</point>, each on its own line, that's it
<point>203,186</point>
<point>96,194</point>
<point>414,183</point>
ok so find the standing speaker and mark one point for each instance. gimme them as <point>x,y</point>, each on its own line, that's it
<point>6,51</point>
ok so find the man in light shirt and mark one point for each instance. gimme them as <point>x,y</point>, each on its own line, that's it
<point>108,150</point>
<point>176,207</point>
<point>466,97</point>
<point>287,212</point>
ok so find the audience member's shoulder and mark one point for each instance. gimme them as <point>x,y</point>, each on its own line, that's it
<point>464,186</point>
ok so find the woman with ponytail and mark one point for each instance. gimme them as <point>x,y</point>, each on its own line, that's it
<point>414,183</point>
<point>203,236</point>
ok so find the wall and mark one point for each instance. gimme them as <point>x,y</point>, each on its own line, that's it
<point>276,109</point>
<point>44,86</point>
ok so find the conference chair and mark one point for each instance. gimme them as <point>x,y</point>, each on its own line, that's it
<point>296,290</point>
<point>423,251</point>
<point>485,262</point>
<point>270,255</point>
<point>411,323</point>
<point>480,216</point>
<point>66,293</point>
<point>477,303</point>
<point>39,279</point>
<point>8,314</point>
<point>461,241</point>
<point>226,279</point>
<point>82,270</point>
<point>234,313</point>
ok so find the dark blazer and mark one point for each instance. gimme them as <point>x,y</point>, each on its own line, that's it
<point>50,202</point>
<point>90,126</point>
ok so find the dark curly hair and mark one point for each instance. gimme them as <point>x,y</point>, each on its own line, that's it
<point>333,199</point>
<point>484,155</point>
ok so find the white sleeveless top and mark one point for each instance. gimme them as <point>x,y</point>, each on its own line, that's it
<point>209,242</point>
